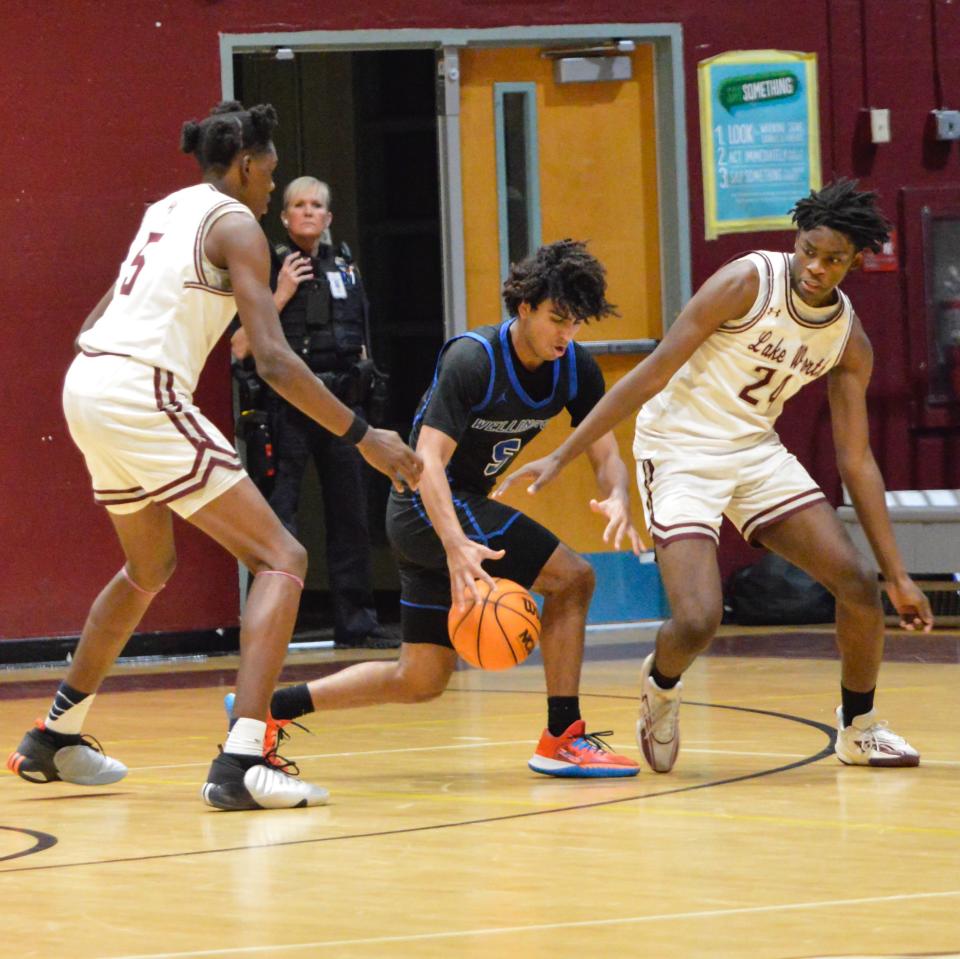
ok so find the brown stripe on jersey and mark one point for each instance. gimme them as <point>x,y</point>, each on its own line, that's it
<point>756,523</point>
<point>738,326</point>
<point>667,540</point>
<point>208,289</point>
<point>794,312</point>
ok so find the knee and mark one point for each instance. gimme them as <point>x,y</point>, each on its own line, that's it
<point>419,687</point>
<point>856,585</point>
<point>287,554</point>
<point>152,575</point>
<point>695,625</point>
<point>576,579</point>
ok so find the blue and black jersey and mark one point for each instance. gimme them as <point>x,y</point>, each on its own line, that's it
<point>484,398</point>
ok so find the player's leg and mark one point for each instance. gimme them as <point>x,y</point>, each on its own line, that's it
<point>54,749</point>
<point>691,579</point>
<point>815,540</point>
<point>241,521</point>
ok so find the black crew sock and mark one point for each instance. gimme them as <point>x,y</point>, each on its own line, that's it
<point>562,711</point>
<point>664,682</point>
<point>291,702</point>
<point>855,704</point>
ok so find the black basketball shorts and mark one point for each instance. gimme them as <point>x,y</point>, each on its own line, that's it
<point>424,579</point>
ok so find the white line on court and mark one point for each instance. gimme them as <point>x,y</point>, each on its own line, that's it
<point>276,948</point>
<point>480,745</point>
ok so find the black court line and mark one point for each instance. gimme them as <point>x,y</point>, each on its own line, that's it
<point>816,757</point>
<point>42,840</point>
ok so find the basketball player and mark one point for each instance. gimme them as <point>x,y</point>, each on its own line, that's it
<point>198,257</point>
<point>756,332</point>
<point>494,390</point>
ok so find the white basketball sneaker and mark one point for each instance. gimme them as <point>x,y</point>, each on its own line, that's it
<point>658,728</point>
<point>45,756</point>
<point>250,782</point>
<point>868,741</point>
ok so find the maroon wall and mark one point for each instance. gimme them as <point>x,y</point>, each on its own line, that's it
<point>90,135</point>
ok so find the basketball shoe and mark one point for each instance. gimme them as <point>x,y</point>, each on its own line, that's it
<point>251,782</point>
<point>579,753</point>
<point>45,756</point>
<point>274,735</point>
<point>868,741</point>
<point>658,728</point>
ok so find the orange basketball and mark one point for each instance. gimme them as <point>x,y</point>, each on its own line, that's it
<point>500,631</point>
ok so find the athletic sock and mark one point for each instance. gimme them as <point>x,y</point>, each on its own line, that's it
<point>68,710</point>
<point>562,712</point>
<point>291,702</point>
<point>246,737</point>
<point>855,704</point>
<point>663,682</point>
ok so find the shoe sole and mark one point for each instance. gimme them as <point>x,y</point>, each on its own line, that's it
<point>894,762</point>
<point>566,771</point>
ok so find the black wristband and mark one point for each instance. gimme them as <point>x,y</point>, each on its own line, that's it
<point>358,430</point>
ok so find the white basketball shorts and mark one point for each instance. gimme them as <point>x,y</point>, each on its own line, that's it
<point>143,439</point>
<point>686,493</point>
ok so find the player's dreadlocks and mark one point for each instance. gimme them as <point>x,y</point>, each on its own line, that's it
<point>230,128</point>
<point>840,207</point>
<point>565,273</point>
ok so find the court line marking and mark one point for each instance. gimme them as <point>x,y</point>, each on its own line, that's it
<point>547,926</point>
<point>431,827</point>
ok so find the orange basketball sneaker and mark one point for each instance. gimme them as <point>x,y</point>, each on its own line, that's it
<point>577,753</point>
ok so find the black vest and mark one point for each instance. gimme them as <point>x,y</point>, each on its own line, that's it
<point>326,331</point>
<point>506,418</point>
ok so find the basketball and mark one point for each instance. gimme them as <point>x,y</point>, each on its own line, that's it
<point>500,631</point>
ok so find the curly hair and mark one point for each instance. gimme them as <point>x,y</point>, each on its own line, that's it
<point>840,207</point>
<point>565,273</point>
<point>216,140</point>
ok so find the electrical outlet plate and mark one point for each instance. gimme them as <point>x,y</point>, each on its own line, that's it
<point>947,124</point>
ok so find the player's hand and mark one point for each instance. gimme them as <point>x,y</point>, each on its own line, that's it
<point>911,603</point>
<point>616,508</point>
<point>463,561</point>
<point>540,471</point>
<point>385,451</point>
<point>296,268</point>
<point>240,344</point>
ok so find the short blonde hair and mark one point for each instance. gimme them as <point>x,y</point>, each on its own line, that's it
<point>305,184</point>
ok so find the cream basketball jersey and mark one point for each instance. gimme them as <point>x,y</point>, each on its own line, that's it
<point>730,392</point>
<point>170,303</point>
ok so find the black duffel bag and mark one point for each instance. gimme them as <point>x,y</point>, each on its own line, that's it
<point>774,592</point>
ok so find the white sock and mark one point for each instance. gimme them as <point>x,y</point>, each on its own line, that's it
<point>246,737</point>
<point>67,715</point>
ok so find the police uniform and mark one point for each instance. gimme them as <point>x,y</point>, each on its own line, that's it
<point>706,445</point>
<point>128,395</point>
<point>482,397</point>
<point>324,323</point>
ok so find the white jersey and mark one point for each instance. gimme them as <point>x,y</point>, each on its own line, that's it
<point>170,303</point>
<point>730,392</point>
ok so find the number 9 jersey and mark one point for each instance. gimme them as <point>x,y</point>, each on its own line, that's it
<point>728,395</point>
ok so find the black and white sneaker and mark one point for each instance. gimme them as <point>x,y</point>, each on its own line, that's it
<point>251,782</point>
<point>45,756</point>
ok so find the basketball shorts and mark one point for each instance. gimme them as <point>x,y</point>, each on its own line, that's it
<point>686,493</point>
<point>422,562</point>
<point>143,439</point>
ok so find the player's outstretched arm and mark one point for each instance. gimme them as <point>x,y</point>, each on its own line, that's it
<point>847,391</point>
<point>238,243</point>
<point>726,296</point>
<point>463,555</point>
<point>613,482</point>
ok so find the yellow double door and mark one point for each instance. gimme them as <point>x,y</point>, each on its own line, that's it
<point>596,180</point>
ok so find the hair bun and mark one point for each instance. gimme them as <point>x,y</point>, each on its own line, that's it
<point>190,136</point>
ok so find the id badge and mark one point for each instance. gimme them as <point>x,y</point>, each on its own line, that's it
<point>337,288</point>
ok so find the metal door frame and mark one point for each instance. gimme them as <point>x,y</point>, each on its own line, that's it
<point>669,95</point>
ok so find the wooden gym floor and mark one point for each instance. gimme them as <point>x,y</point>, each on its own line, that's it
<point>438,841</point>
